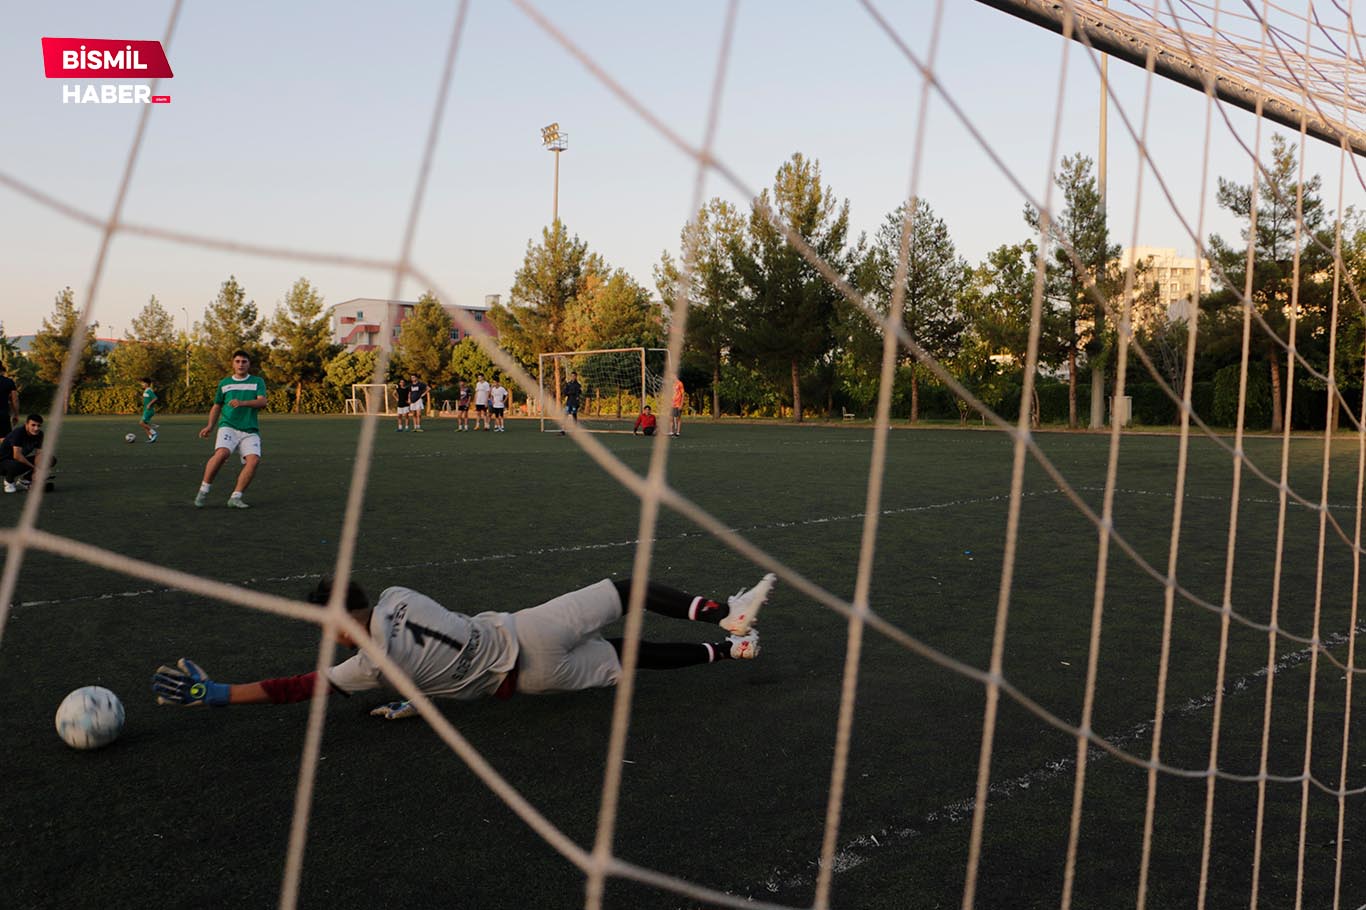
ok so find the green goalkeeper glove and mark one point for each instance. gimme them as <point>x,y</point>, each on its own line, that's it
<point>186,684</point>
<point>395,710</point>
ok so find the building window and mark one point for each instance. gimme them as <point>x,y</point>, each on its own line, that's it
<point>478,317</point>
<point>360,314</point>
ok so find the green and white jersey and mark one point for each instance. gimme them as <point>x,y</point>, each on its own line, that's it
<point>233,389</point>
<point>149,398</point>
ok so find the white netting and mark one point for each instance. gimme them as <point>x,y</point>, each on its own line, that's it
<point>1193,26</point>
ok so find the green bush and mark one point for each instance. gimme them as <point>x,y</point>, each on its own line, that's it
<point>110,400</point>
<point>1224,412</point>
<point>315,400</point>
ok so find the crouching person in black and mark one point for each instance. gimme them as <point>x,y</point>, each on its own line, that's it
<point>20,453</point>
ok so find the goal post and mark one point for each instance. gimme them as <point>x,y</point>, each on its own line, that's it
<point>372,398</point>
<point>616,383</point>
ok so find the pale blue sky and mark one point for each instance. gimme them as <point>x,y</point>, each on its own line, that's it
<point>301,125</point>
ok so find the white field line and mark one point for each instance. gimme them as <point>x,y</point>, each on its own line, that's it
<point>861,848</point>
<point>545,551</point>
<point>610,545</point>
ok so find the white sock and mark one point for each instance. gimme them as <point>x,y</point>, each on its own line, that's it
<point>236,494</point>
<point>204,488</point>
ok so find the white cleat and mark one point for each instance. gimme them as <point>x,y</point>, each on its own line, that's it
<point>200,498</point>
<point>744,606</point>
<point>744,647</point>
<point>237,502</point>
<point>10,488</point>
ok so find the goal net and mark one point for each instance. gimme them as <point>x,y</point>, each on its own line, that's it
<point>615,382</point>
<point>1221,599</point>
<point>373,398</point>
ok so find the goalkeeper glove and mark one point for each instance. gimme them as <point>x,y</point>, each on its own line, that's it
<point>186,684</point>
<point>395,710</point>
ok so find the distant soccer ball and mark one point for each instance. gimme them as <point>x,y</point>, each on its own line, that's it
<point>89,718</point>
<point>130,438</point>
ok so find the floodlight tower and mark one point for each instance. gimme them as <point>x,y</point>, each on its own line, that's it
<point>556,141</point>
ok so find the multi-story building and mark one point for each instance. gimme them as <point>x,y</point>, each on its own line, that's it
<point>1178,291</point>
<point>369,324</point>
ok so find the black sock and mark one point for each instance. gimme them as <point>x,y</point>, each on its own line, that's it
<point>672,655</point>
<point>667,601</point>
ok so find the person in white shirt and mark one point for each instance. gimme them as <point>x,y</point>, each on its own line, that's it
<point>481,401</point>
<point>498,399</point>
<point>554,647</point>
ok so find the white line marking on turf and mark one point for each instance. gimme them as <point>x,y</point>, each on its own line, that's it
<point>546,551</point>
<point>859,849</point>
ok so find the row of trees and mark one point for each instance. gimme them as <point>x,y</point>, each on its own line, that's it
<point>770,312</point>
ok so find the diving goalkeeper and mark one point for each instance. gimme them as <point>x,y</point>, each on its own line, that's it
<point>554,647</point>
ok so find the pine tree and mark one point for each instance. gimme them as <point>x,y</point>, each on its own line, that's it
<point>231,323</point>
<point>53,342</point>
<point>424,340</point>
<point>301,342</point>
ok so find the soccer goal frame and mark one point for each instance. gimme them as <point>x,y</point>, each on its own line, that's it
<point>372,398</point>
<point>613,393</point>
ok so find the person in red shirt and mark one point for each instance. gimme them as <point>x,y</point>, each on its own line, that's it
<point>645,423</point>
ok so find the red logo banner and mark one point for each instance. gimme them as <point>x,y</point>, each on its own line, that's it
<point>104,58</point>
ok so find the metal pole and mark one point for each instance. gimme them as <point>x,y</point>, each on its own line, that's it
<point>1098,373</point>
<point>555,211</point>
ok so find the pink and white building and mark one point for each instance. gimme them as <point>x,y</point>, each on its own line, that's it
<point>370,324</point>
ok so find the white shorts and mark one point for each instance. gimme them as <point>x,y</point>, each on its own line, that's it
<point>403,410</point>
<point>416,406</point>
<point>238,440</point>
<point>561,645</point>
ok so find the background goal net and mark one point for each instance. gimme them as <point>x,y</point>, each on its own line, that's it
<point>616,382</point>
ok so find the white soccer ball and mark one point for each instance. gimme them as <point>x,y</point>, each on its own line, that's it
<point>89,718</point>
<point>130,438</point>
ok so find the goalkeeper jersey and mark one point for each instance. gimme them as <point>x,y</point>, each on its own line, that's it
<point>448,655</point>
<point>233,389</point>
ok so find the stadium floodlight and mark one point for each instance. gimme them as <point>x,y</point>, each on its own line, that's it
<point>556,141</point>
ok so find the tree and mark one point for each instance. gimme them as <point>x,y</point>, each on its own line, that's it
<point>53,342</point>
<point>1275,246</point>
<point>302,341</point>
<point>1080,273</point>
<point>936,279</point>
<point>149,349</point>
<point>348,368</point>
<point>231,323</point>
<point>785,309</point>
<point>612,311</point>
<point>424,340</point>
<point>709,242</point>
<point>552,275</point>
<point>468,360</point>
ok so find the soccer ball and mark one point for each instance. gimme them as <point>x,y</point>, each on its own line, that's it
<point>130,438</point>
<point>89,718</point>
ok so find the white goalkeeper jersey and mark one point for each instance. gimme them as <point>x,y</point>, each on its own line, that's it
<point>448,655</point>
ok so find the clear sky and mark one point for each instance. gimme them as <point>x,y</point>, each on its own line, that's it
<point>301,125</point>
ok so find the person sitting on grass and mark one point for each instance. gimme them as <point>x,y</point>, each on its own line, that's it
<point>645,423</point>
<point>554,647</point>
<point>20,453</point>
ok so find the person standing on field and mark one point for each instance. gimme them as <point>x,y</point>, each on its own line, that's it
<point>677,427</point>
<point>417,399</point>
<point>462,407</point>
<point>234,414</point>
<point>401,397</point>
<point>570,395</point>
<point>9,402</point>
<point>481,401</point>
<point>498,401</point>
<point>149,401</point>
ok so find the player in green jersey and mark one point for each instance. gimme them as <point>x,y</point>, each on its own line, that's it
<point>235,406</point>
<point>149,401</point>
